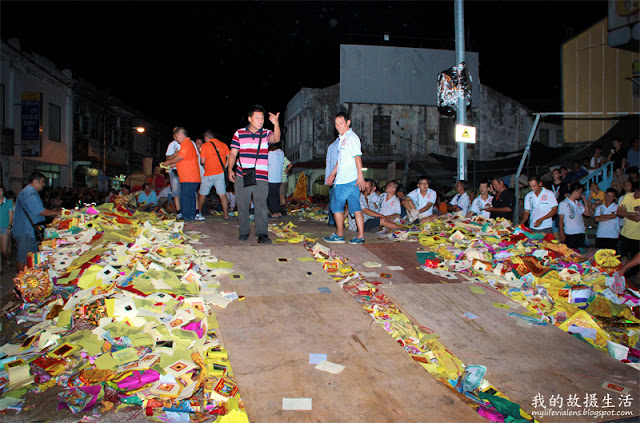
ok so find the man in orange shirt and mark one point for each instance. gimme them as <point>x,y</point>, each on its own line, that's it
<point>188,172</point>
<point>213,156</point>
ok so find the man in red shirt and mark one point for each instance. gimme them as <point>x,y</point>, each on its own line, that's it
<point>213,156</point>
<point>188,172</point>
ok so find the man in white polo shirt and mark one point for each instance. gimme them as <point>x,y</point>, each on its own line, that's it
<point>482,201</point>
<point>541,205</point>
<point>460,203</point>
<point>607,218</point>
<point>419,202</point>
<point>570,221</point>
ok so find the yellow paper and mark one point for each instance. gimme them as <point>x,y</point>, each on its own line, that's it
<point>64,318</point>
<point>105,362</point>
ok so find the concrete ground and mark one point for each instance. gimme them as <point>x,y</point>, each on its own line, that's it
<point>233,325</point>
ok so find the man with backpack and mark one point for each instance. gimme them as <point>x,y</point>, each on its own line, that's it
<point>213,156</point>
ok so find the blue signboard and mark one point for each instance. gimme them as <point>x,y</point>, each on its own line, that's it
<point>31,117</point>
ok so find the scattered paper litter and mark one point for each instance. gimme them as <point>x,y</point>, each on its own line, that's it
<point>395,267</point>
<point>296,403</point>
<point>316,358</point>
<point>328,366</point>
<point>371,264</point>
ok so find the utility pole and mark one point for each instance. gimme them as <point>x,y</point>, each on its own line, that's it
<point>461,113</point>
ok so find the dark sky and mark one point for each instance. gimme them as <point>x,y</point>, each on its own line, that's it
<point>202,64</point>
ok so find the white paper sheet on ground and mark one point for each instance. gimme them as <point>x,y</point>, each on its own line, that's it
<point>76,298</point>
<point>328,366</point>
<point>296,403</point>
<point>395,267</point>
<point>371,264</point>
<point>370,274</point>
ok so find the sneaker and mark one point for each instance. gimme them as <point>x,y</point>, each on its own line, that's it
<point>264,239</point>
<point>357,240</point>
<point>243,237</point>
<point>200,217</point>
<point>334,239</point>
<point>178,216</point>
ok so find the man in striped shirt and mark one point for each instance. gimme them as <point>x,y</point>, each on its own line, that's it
<point>244,147</point>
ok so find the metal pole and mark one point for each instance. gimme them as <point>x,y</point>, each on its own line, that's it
<point>461,114</point>
<point>104,142</point>
<point>516,213</point>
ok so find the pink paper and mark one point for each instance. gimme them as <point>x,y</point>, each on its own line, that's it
<point>492,415</point>
<point>138,379</point>
<point>91,210</point>
<point>196,327</point>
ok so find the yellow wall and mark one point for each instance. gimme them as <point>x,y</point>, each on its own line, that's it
<point>594,80</point>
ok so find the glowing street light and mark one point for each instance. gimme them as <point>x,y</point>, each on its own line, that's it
<point>140,129</point>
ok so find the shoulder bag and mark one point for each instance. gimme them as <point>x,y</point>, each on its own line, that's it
<point>224,168</point>
<point>38,228</point>
<point>249,175</point>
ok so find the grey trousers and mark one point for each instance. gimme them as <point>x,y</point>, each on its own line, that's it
<point>243,202</point>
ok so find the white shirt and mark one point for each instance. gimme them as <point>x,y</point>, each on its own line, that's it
<point>539,206</point>
<point>479,204</point>
<point>374,198</point>
<point>419,201</point>
<point>276,162</point>
<point>572,212</point>
<point>199,164</point>
<point>173,148</point>
<point>165,192</point>
<point>461,201</point>
<point>348,149</point>
<point>608,228</point>
<point>390,207</point>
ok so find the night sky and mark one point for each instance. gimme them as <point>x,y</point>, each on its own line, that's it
<point>202,64</point>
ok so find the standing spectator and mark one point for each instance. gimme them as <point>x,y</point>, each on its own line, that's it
<point>541,205</point>
<point>349,181</point>
<point>618,155</point>
<point>6,223</point>
<point>198,142</point>
<point>618,180</point>
<point>460,203</point>
<point>419,202</point>
<point>231,199</point>
<point>597,160</point>
<point>629,209</point>
<point>330,163</point>
<point>570,220</point>
<point>214,155</point>
<point>633,155</point>
<point>596,196</point>
<point>577,173</point>
<point>188,172</point>
<point>284,185</point>
<point>607,218</point>
<point>29,211</point>
<point>564,174</point>
<point>172,152</point>
<point>276,163</point>
<point>482,202</point>
<point>250,145</point>
<point>504,200</point>
<point>558,186</point>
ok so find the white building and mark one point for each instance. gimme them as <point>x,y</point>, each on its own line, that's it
<point>36,117</point>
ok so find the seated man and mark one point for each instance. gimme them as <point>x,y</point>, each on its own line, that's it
<point>419,202</point>
<point>389,202</point>
<point>460,203</point>
<point>125,198</point>
<point>372,219</point>
<point>481,202</point>
<point>147,199</point>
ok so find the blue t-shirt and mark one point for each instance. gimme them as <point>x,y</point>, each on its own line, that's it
<point>148,200</point>
<point>5,207</point>
<point>28,200</point>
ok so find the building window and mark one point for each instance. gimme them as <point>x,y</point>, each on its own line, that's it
<point>55,122</point>
<point>2,122</point>
<point>559,140</point>
<point>381,130</point>
<point>544,137</point>
<point>447,133</point>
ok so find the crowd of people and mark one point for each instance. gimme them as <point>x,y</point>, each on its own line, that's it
<point>251,174</point>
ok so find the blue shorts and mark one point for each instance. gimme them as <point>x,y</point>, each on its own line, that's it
<point>26,244</point>
<point>346,194</point>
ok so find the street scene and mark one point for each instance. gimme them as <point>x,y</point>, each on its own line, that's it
<point>408,232</point>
